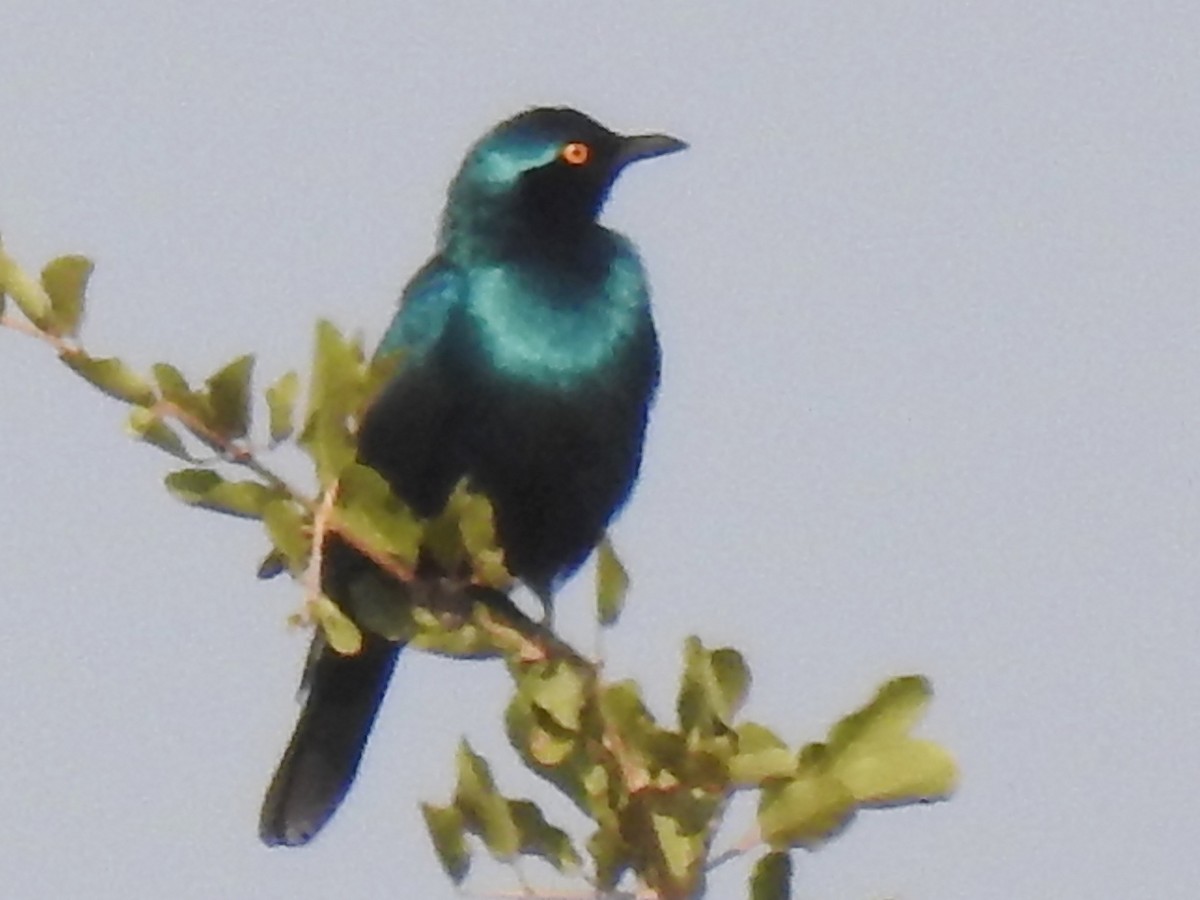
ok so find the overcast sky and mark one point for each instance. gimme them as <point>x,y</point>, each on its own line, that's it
<point>927,287</point>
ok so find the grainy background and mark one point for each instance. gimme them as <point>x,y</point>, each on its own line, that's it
<point>927,284</point>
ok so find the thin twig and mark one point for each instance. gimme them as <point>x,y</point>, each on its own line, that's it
<point>60,344</point>
<point>747,842</point>
<point>232,451</point>
<point>312,575</point>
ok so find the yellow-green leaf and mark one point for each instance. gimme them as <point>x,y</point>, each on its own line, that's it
<point>333,395</point>
<point>368,508</point>
<point>477,527</point>
<point>281,404</point>
<point>171,383</point>
<point>461,638</point>
<point>803,811</point>
<point>287,527</point>
<point>610,857</point>
<point>336,376</point>
<point>612,584</point>
<point>342,634</point>
<point>208,490</point>
<point>760,755</point>
<point>463,534</point>
<point>146,425</point>
<point>229,397</point>
<point>485,811</point>
<point>557,687</point>
<point>112,376</point>
<point>713,687</point>
<point>678,844</point>
<point>446,830</point>
<point>539,838</point>
<point>330,445</point>
<point>64,280</point>
<point>875,756</point>
<point>548,747</point>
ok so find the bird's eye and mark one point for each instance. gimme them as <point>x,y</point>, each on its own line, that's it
<point>576,153</point>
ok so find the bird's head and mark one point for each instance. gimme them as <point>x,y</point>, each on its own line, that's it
<point>545,172</point>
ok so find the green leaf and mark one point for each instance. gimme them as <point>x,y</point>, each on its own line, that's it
<point>463,536</point>
<point>369,509</point>
<point>713,687</point>
<point>610,857</point>
<point>287,526</point>
<point>446,830</point>
<point>281,404</point>
<point>557,687</point>
<point>541,742</point>
<point>195,405</point>
<point>760,755</point>
<point>208,490</point>
<point>334,394</point>
<point>642,749</point>
<point>64,280</point>
<point>447,630</point>
<point>171,383</point>
<point>679,846</point>
<point>465,533</point>
<point>336,373</point>
<point>112,376</point>
<point>330,445</point>
<point>341,633</point>
<point>875,756</point>
<point>477,526</point>
<point>146,425</point>
<point>612,584</point>
<point>485,812</point>
<point>772,877</point>
<point>869,760</point>
<point>803,811</point>
<point>667,834</point>
<point>539,838</point>
<point>229,397</point>
<point>29,296</point>
<point>551,748</point>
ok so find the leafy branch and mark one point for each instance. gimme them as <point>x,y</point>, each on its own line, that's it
<point>653,794</point>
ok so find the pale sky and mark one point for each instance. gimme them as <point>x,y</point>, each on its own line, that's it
<point>927,287</point>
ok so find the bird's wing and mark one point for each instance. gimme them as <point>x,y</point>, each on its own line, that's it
<point>408,433</point>
<point>425,307</point>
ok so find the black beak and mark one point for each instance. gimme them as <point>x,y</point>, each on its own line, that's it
<point>647,146</point>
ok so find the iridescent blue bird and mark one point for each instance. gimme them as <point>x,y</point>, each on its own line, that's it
<point>529,364</point>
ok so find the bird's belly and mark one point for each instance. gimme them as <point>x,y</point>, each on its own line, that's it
<point>556,473</point>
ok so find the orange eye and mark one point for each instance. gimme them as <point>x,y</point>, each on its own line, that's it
<point>576,153</point>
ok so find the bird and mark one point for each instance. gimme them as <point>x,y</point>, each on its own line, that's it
<point>529,361</point>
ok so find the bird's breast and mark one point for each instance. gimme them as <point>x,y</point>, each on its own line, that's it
<point>553,329</point>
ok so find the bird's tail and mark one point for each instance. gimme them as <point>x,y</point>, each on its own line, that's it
<point>318,767</point>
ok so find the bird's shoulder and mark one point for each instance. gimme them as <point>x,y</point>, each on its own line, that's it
<point>426,306</point>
